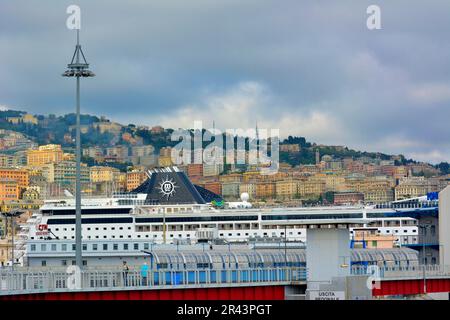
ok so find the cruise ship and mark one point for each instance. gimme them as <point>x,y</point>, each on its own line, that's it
<point>168,209</point>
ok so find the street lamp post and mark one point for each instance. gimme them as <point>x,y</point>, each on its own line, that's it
<point>423,228</point>
<point>78,68</point>
<point>12,215</point>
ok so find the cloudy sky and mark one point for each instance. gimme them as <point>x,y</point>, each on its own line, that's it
<point>307,67</point>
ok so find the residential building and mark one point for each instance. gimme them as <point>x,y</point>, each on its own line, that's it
<point>135,179</point>
<point>103,174</point>
<point>286,189</point>
<point>230,190</point>
<point>249,188</point>
<point>64,173</point>
<point>265,190</point>
<point>9,190</point>
<point>19,175</point>
<point>411,187</point>
<point>348,198</point>
<point>51,153</point>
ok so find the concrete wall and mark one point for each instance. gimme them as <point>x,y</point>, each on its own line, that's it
<point>327,252</point>
<point>444,225</point>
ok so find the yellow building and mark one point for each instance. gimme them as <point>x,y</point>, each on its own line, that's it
<point>51,153</point>
<point>103,174</point>
<point>411,188</point>
<point>311,187</point>
<point>249,188</point>
<point>379,195</point>
<point>286,189</point>
<point>29,118</point>
<point>5,251</point>
<point>334,183</point>
<point>265,190</point>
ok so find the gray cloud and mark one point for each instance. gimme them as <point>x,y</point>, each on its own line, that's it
<point>313,68</point>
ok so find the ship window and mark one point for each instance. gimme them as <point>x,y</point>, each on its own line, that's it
<point>43,247</point>
<point>136,246</point>
<point>121,237</point>
<point>89,229</point>
<point>104,237</point>
<point>57,229</point>
<point>53,247</point>
<point>84,247</point>
<point>129,236</point>
<point>73,247</point>
<point>33,247</point>
<point>104,228</point>
<point>64,247</point>
<point>94,247</point>
<point>145,246</point>
<point>105,246</point>
<point>121,228</point>
<point>96,228</point>
<point>113,228</point>
<point>125,246</point>
<point>115,246</point>
<point>43,263</point>
<point>84,262</point>
<point>64,262</point>
<point>129,228</point>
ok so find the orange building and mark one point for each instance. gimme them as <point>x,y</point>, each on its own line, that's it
<point>20,176</point>
<point>135,179</point>
<point>9,190</point>
<point>194,170</point>
<point>370,239</point>
<point>215,187</point>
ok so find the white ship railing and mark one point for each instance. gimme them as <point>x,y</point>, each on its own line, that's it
<point>407,272</point>
<point>20,282</point>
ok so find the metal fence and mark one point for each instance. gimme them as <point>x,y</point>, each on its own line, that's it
<point>18,282</point>
<point>399,272</point>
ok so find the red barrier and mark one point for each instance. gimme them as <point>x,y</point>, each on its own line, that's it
<point>234,293</point>
<point>411,287</point>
